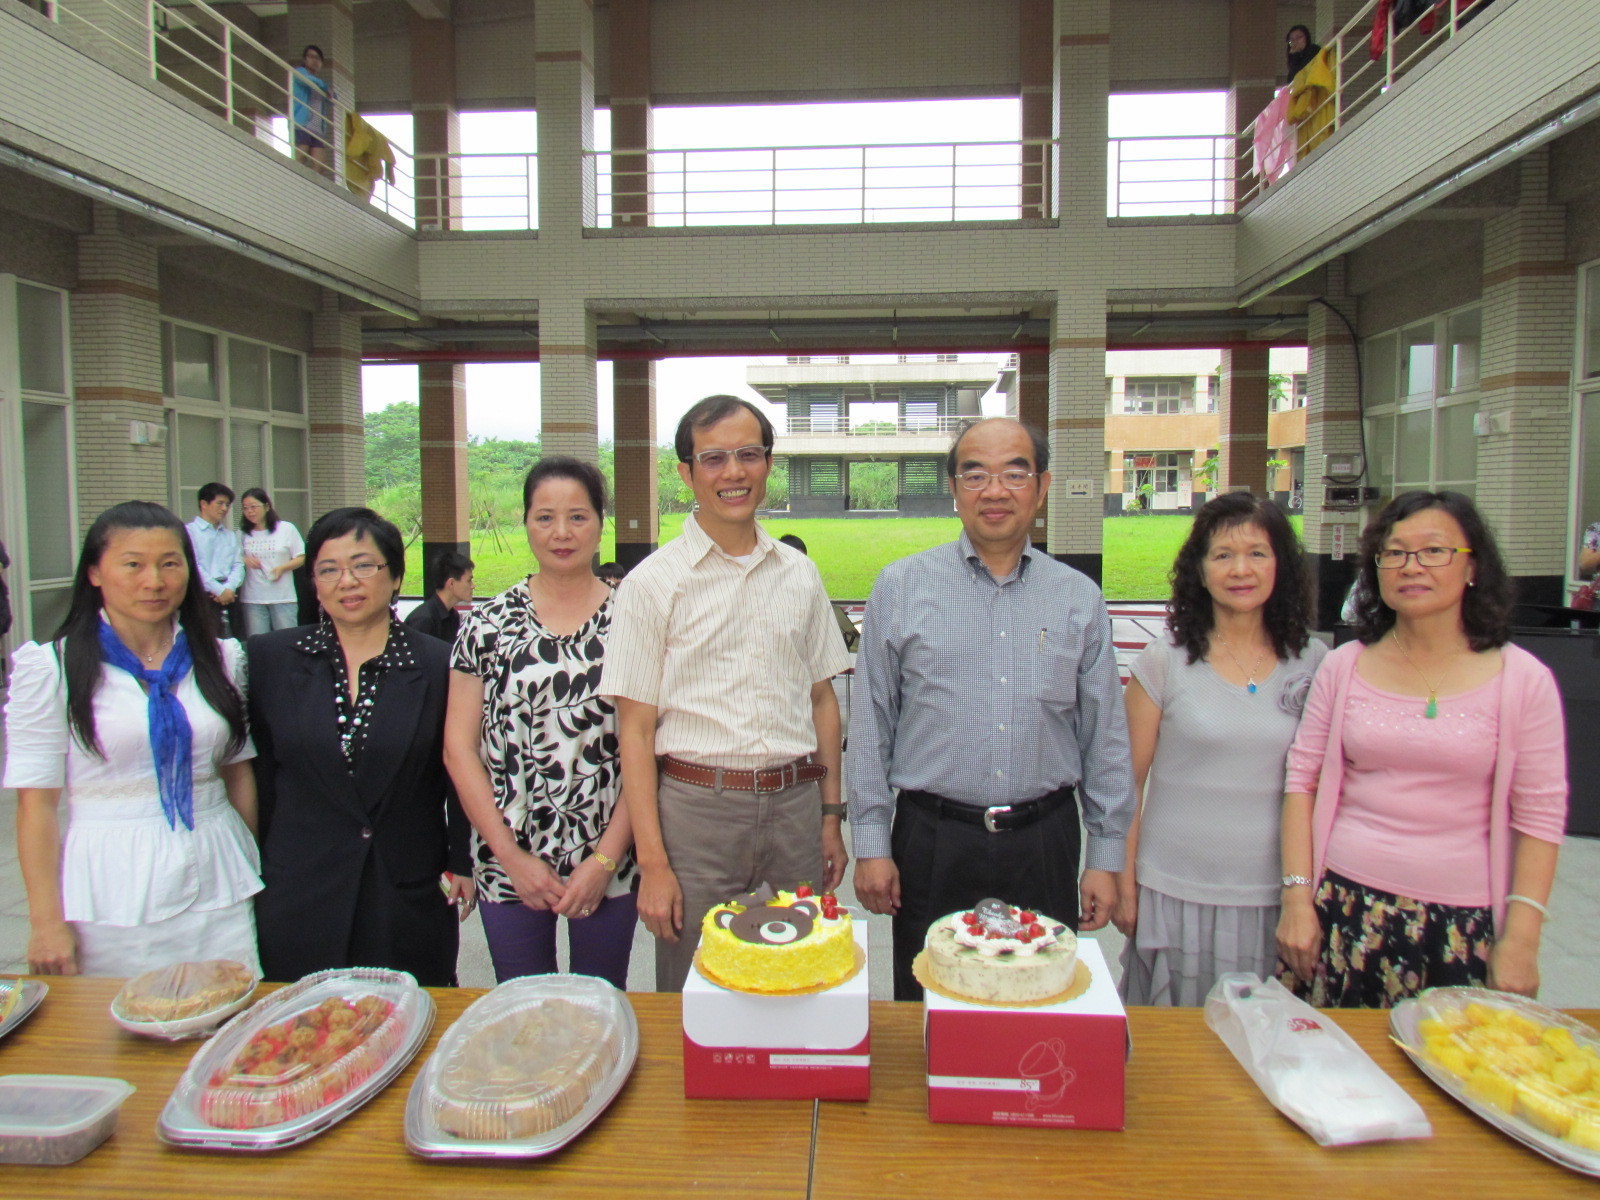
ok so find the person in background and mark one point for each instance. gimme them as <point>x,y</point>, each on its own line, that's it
<point>133,713</point>
<point>611,574</point>
<point>1589,552</point>
<point>1426,794</point>
<point>1300,49</point>
<point>532,746</point>
<point>1212,707</point>
<point>312,110</point>
<point>273,551</point>
<point>359,825</point>
<point>847,627</point>
<point>5,603</point>
<point>986,702</point>
<point>437,616</point>
<point>722,657</point>
<point>217,553</point>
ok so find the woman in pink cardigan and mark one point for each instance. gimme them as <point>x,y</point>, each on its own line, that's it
<point>1427,789</point>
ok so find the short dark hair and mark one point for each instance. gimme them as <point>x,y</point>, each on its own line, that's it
<point>708,412</point>
<point>795,540</point>
<point>359,522</point>
<point>611,570</point>
<point>313,46</point>
<point>270,518</point>
<point>211,491</point>
<point>564,466</point>
<point>1287,612</point>
<point>1041,444</point>
<point>1486,607</point>
<point>452,565</point>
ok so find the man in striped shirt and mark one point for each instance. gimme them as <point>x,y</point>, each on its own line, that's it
<point>986,703</point>
<point>720,659</point>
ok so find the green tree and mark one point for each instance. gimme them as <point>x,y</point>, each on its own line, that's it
<point>393,439</point>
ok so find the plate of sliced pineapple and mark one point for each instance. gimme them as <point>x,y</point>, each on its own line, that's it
<point>1528,1070</point>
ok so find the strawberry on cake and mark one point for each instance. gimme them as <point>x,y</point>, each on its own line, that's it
<point>998,953</point>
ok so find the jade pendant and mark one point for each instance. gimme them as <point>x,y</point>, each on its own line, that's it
<point>1432,710</point>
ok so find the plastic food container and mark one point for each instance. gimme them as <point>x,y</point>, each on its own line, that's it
<point>183,1000</point>
<point>299,1061</point>
<point>51,1120</point>
<point>527,1068</point>
<point>1528,1070</point>
<point>18,999</point>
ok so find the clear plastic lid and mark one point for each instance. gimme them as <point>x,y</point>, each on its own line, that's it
<point>55,1119</point>
<point>183,999</point>
<point>304,1049</point>
<point>527,1058</point>
<point>1512,1059</point>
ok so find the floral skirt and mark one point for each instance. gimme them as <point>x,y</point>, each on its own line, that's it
<point>1379,948</point>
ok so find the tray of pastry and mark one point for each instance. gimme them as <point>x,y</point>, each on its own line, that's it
<point>298,1061</point>
<point>184,1000</point>
<point>526,1069</point>
<point>18,999</point>
<point>1530,1071</point>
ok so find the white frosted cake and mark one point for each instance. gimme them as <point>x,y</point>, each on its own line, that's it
<point>998,954</point>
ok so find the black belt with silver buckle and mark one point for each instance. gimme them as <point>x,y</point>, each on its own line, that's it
<point>997,818</point>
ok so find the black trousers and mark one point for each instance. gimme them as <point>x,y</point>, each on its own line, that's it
<point>946,865</point>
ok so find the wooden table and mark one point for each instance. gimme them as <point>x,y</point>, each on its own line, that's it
<point>1197,1127</point>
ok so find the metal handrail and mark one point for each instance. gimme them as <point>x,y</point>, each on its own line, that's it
<point>944,426</point>
<point>1359,82</point>
<point>1204,191</point>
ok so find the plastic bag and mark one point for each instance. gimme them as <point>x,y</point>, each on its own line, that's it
<point>1308,1067</point>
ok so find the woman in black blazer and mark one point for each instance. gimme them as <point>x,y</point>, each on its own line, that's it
<point>364,846</point>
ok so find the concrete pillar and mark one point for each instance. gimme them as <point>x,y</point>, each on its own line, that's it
<point>564,76</point>
<point>1081,85</point>
<point>1033,408</point>
<point>115,32</point>
<point>569,404</point>
<point>1525,384</point>
<point>1331,17</point>
<point>1242,421</point>
<point>1077,433</point>
<point>1333,426</point>
<point>1255,57</point>
<point>436,122</point>
<point>116,367</point>
<point>632,124</point>
<point>333,398</point>
<point>446,529</point>
<point>330,25</point>
<point>1036,63</point>
<point>633,409</point>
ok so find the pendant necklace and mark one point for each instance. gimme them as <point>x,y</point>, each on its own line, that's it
<point>151,658</point>
<point>1432,710</point>
<point>1250,675</point>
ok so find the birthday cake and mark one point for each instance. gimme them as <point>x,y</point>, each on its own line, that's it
<point>778,942</point>
<point>997,953</point>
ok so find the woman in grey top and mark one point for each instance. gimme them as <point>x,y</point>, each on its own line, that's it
<point>1212,708</point>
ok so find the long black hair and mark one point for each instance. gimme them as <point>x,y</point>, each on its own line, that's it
<point>1287,612</point>
<point>79,635</point>
<point>1486,606</point>
<point>270,520</point>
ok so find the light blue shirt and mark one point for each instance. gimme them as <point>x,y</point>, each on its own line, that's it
<point>217,554</point>
<point>988,691</point>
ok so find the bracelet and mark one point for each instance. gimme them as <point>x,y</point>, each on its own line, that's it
<point>1296,881</point>
<point>833,810</point>
<point>609,864</point>
<point>1529,901</point>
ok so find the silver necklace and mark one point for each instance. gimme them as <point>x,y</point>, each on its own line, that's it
<point>1250,675</point>
<point>158,652</point>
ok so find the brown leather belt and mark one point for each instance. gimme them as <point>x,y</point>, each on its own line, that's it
<point>767,779</point>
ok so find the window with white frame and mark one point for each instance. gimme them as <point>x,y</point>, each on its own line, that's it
<point>1158,468</point>
<point>38,500</point>
<point>238,415</point>
<point>1148,397</point>
<point>1420,386</point>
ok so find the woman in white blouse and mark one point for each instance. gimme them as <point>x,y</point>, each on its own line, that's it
<point>131,712</point>
<point>273,551</point>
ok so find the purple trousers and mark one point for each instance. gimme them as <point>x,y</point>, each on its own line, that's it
<point>522,940</point>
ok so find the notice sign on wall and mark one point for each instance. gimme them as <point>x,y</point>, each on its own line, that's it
<point>1338,540</point>
<point>1079,488</point>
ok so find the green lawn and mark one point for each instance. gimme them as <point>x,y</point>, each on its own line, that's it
<point>850,553</point>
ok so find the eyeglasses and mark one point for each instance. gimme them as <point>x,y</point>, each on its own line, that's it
<point>328,573</point>
<point>975,481</point>
<point>715,460</point>
<point>1428,556</point>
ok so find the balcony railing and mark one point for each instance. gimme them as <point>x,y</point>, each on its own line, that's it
<point>847,185</point>
<point>908,425</point>
<point>1169,176</point>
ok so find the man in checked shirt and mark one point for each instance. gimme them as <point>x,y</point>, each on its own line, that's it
<point>987,696</point>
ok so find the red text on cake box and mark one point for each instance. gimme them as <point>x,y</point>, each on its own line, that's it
<point>1058,1066</point>
<point>816,1047</point>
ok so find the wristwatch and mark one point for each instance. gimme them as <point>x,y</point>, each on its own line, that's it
<point>834,810</point>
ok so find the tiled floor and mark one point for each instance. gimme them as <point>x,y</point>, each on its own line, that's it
<point>1569,964</point>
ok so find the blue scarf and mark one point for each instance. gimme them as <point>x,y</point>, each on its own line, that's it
<point>171,740</point>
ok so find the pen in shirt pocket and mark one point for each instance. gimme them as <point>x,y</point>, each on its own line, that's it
<point>1042,635</point>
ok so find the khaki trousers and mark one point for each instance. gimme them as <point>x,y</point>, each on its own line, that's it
<point>723,843</point>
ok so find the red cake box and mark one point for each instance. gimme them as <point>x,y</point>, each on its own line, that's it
<point>1058,1065</point>
<point>814,1047</point>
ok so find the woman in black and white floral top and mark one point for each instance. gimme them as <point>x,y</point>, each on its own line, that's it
<point>533,749</point>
